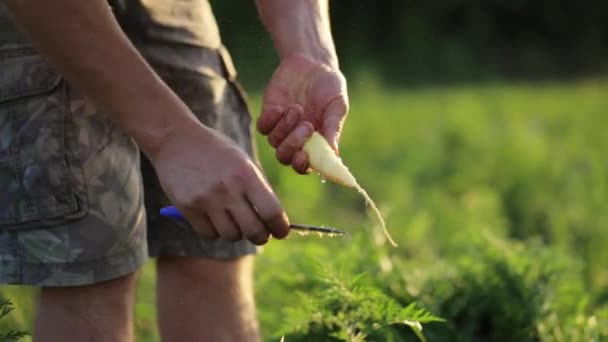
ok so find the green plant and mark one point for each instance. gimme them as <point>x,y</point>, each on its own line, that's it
<point>6,306</point>
<point>501,290</point>
<point>350,309</point>
<point>497,195</point>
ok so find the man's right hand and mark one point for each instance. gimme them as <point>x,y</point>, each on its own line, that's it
<point>214,183</point>
<point>217,187</point>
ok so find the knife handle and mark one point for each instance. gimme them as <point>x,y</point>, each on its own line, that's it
<point>172,212</point>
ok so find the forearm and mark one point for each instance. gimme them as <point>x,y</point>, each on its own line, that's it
<point>299,26</point>
<point>84,43</point>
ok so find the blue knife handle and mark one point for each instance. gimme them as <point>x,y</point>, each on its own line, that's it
<point>172,212</point>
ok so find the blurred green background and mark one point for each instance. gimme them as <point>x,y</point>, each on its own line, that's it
<point>407,43</point>
<point>479,127</point>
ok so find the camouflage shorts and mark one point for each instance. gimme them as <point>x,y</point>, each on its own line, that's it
<point>75,192</point>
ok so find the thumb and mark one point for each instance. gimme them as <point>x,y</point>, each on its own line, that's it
<point>333,119</point>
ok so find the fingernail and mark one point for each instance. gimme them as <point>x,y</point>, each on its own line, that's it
<point>304,130</point>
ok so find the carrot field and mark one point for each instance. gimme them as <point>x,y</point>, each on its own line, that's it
<point>497,194</point>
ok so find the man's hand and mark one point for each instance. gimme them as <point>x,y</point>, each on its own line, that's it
<point>307,91</point>
<point>303,95</point>
<point>218,188</point>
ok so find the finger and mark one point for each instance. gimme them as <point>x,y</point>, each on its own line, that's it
<point>300,163</point>
<point>271,114</point>
<point>224,225</point>
<point>294,142</point>
<point>249,223</point>
<point>267,205</point>
<point>333,119</point>
<point>201,224</point>
<point>285,126</point>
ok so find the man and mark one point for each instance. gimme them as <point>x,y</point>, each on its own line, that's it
<point>149,76</point>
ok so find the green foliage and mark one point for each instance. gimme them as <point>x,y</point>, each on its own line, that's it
<point>349,310</point>
<point>6,307</point>
<point>509,291</point>
<point>425,42</point>
<point>497,195</point>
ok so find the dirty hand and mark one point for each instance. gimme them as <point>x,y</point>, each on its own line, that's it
<point>303,95</point>
<point>218,188</point>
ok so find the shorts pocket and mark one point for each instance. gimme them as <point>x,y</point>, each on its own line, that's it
<point>39,178</point>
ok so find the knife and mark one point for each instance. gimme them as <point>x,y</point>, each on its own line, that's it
<point>303,229</point>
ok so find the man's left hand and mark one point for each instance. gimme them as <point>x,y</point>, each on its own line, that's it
<point>303,95</point>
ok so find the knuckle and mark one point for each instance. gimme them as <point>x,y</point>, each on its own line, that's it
<point>220,187</point>
<point>299,168</point>
<point>241,174</point>
<point>259,238</point>
<point>291,120</point>
<point>272,140</point>
<point>283,156</point>
<point>283,126</point>
<point>278,224</point>
<point>245,171</point>
<point>263,126</point>
<point>201,199</point>
<point>295,143</point>
<point>345,104</point>
<point>276,138</point>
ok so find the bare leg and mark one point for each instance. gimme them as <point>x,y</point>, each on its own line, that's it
<point>100,312</point>
<point>206,300</point>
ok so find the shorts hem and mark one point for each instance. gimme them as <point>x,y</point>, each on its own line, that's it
<point>73,274</point>
<point>217,250</point>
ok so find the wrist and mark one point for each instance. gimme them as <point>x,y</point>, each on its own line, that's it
<point>310,62</point>
<point>162,125</point>
<point>319,55</point>
<point>300,26</point>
